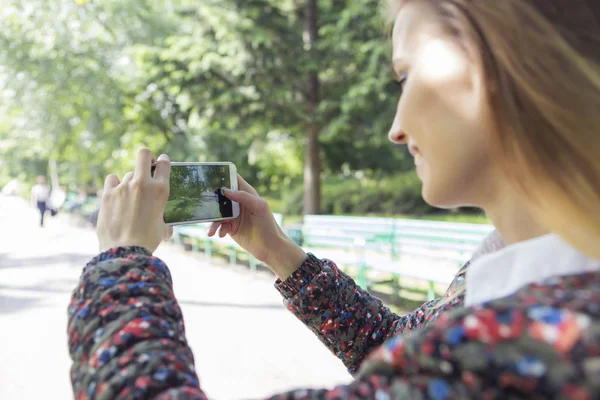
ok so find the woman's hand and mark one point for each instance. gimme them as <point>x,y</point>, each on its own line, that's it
<point>132,210</point>
<point>256,231</point>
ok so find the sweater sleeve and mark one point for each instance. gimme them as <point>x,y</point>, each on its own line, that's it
<point>347,319</point>
<point>126,332</point>
<point>502,351</point>
<point>127,340</point>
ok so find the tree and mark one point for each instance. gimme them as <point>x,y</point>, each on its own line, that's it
<point>239,75</point>
<point>231,81</point>
<point>291,91</point>
<point>312,157</point>
<point>65,66</point>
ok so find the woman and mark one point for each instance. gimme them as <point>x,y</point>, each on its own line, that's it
<point>510,89</point>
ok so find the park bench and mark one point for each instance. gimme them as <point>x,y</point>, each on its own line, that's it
<point>378,244</point>
<point>83,212</point>
<point>197,235</point>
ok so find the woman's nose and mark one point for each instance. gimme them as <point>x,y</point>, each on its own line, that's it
<point>396,134</point>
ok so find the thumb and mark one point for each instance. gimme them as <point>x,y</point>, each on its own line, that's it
<point>253,203</point>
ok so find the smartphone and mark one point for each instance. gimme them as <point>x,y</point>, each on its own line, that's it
<point>196,193</point>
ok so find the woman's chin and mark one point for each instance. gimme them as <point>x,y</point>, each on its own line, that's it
<point>428,193</point>
<point>438,196</point>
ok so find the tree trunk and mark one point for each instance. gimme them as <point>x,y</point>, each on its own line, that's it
<point>312,162</point>
<point>312,172</point>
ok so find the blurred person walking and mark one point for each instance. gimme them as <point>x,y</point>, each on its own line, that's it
<point>40,194</point>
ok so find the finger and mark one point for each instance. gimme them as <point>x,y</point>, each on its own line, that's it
<point>223,231</point>
<point>111,182</point>
<point>143,165</point>
<point>127,178</point>
<point>226,229</point>
<point>245,186</point>
<point>162,172</point>
<point>213,228</point>
<point>250,201</point>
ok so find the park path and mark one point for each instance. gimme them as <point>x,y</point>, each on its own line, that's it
<point>246,344</point>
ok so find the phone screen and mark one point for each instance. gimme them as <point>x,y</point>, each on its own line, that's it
<point>195,193</point>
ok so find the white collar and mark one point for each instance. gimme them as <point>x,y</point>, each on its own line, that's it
<point>502,273</point>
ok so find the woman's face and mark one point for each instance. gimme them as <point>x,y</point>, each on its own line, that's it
<point>442,113</point>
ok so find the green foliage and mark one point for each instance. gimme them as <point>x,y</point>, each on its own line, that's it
<point>86,83</point>
<point>66,70</point>
<point>233,78</point>
<point>396,195</point>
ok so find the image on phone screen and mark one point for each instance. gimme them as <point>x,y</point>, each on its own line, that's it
<point>195,193</point>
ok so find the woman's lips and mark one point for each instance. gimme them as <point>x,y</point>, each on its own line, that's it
<point>413,149</point>
<point>418,159</point>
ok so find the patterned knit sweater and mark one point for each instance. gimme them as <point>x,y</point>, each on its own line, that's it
<point>354,327</point>
<point>127,339</point>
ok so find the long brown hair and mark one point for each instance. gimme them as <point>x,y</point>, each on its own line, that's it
<point>541,63</point>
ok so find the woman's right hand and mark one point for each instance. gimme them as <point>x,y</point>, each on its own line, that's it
<point>256,231</point>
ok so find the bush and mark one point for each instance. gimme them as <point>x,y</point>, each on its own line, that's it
<point>400,194</point>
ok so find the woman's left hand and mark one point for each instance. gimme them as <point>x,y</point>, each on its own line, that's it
<point>132,210</point>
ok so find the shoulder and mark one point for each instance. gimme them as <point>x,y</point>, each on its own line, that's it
<point>567,295</point>
<point>555,314</point>
<point>539,340</point>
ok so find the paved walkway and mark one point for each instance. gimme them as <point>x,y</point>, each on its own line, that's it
<point>245,343</point>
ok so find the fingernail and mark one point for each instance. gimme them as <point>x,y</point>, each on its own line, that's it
<point>164,157</point>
